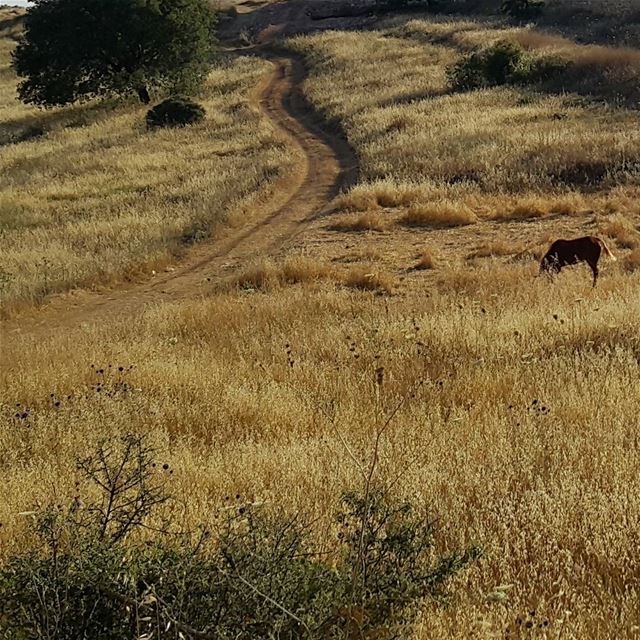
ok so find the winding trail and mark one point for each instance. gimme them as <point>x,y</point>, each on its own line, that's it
<point>299,197</point>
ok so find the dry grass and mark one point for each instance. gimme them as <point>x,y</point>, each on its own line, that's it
<point>570,204</point>
<point>267,275</point>
<point>11,18</point>
<point>382,193</point>
<point>623,231</point>
<point>439,214</point>
<point>632,261</point>
<point>369,279</point>
<point>467,35</point>
<point>367,221</point>
<point>426,260</point>
<point>608,72</point>
<point>524,209</point>
<point>552,497</point>
<point>299,269</point>
<point>262,275</point>
<point>94,197</point>
<point>417,142</point>
<point>259,394</point>
<point>494,249</point>
<point>597,20</point>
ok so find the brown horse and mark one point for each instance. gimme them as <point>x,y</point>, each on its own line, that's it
<point>563,253</point>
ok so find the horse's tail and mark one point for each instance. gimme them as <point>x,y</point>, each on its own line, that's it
<point>603,244</point>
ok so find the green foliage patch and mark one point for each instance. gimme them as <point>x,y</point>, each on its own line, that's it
<point>175,112</point>
<point>503,63</point>
<point>75,50</point>
<point>109,569</point>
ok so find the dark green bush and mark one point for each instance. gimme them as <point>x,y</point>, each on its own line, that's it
<point>97,572</point>
<point>468,73</point>
<point>175,112</point>
<point>503,63</point>
<point>388,560</point>
<point>523,9</point>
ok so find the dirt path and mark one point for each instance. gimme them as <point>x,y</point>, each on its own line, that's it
<point>301,196</point>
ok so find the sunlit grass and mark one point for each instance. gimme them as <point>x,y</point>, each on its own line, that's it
<point>489,149</point>
<point>87,195</point>
<point>522,438</point>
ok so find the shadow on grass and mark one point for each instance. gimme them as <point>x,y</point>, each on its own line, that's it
<point>39,123</point>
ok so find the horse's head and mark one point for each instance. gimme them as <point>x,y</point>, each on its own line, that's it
<point>550,263</point>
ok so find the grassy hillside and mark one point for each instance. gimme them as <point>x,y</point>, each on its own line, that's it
<point>511,400</point>
<point>390,91</point>
<point>547,159</point>
<point>88,196</point>
<point>604,21</point>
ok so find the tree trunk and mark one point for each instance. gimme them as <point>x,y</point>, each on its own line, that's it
<point>143,94</point>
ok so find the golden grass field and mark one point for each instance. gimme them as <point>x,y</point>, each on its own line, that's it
<point>523,435</point>
<point>551,496</point>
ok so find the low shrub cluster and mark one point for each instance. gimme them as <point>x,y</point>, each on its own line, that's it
<point>503,63</point>
<point>404,5</point>
<point>523,9</point>
<point>175,112</point>
<point>106,569</point>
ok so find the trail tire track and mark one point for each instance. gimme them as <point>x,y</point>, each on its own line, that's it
<point>328,165</point>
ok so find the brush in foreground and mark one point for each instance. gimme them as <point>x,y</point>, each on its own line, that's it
<point>89,559</point>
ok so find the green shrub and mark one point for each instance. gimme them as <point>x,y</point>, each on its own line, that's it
<point>388,560</point>
<point>468,73</point>
<point>97,571</point>
<point>175,112</point>
<point>503,63</point>
<point>523,9</point>
<point>405,5</point>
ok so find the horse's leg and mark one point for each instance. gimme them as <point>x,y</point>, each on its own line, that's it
<point>593,263</point>
<point>594,268</point>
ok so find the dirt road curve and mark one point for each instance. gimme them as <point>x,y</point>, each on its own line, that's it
<point>299,197</point>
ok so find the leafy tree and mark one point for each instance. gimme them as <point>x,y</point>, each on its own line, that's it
<point>74,50</point>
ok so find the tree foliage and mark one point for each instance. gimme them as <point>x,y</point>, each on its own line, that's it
<point>74,50</point>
